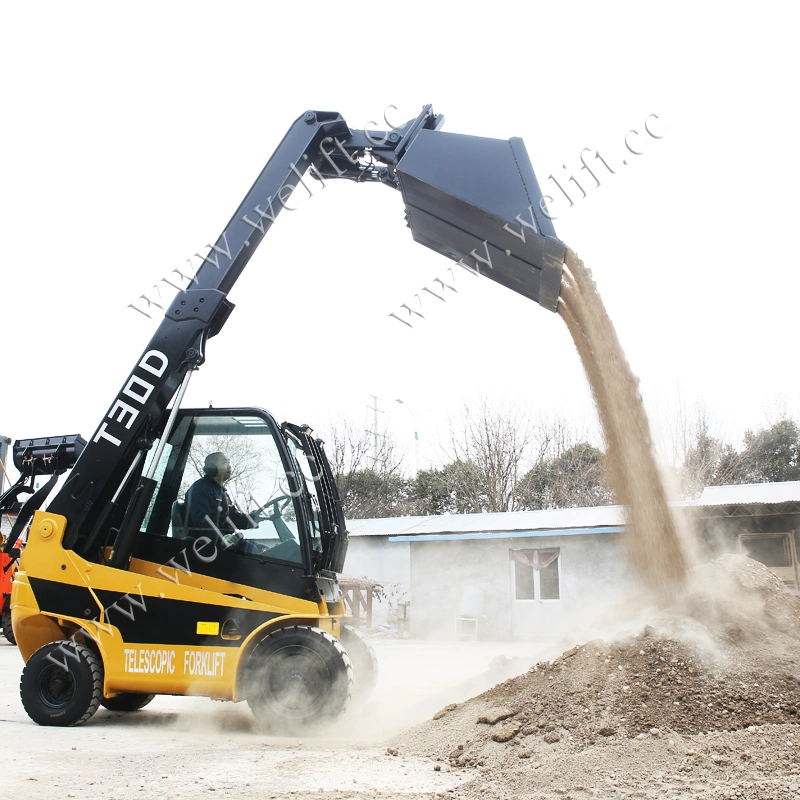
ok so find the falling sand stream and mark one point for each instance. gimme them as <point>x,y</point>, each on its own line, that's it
<point>654,546</point>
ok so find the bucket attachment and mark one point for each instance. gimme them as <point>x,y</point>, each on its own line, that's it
<point>47,456</point>
<point>477,201</point>
<point>51,456</point>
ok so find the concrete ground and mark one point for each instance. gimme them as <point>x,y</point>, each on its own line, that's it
<point>184,747</point>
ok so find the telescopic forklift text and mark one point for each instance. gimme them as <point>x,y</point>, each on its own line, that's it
<point>162,662</point>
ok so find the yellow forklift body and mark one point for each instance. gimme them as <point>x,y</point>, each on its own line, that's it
<point>164,667</point>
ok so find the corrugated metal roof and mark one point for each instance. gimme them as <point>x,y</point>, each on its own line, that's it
<point>504,534</point>
<point>552,520</point>
<point>387,526</point>
<point>746,494</point>
<point>561,521</point>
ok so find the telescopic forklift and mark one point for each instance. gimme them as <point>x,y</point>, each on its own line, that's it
<point>125,590</point>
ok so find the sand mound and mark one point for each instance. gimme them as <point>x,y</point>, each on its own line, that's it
<point>721,663</point>
<point>743,597</point>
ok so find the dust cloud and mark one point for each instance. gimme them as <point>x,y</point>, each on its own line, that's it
<point>656,555</point>
<point>694,689</point>
<point>702,702</point>
<point>689,685</point>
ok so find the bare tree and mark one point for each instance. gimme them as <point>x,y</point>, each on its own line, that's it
<point>566,471</point>
<point>575,477</point>
<point>704,458</point>
<point>495,440</point>
<point>501,460</point>
<point>455,488</point>
<point>367,471</point>
<point>773,453</point>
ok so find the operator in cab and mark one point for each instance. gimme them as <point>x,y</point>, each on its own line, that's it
<point>210,506</point>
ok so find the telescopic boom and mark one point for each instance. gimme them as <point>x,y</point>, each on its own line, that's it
<point>473,199</point>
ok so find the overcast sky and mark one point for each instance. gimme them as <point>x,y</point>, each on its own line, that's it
<point>131,133</point>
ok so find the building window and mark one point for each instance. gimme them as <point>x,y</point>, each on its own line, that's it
<point>778,551</point>
<point>523,581</point>
<point>536,574</point>
<point>548,582</point>
<point>771,549</point>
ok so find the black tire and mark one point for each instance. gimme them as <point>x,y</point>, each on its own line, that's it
<point>297,677</point>
<point>365,664</point>
<point>62,684</point>
<point>127,701</point>
<point>8,630</point>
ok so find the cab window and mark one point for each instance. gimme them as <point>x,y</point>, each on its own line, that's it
<point>223,477</point>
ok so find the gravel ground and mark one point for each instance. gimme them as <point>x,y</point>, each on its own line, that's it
<point>184,747</point>
<point>702,702</point>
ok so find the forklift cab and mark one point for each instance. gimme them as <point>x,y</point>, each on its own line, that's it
<point>274,537</point>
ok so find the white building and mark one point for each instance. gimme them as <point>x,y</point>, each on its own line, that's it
<point>525,574</point>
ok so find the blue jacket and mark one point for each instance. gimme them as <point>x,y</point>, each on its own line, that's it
<point>207,499</point>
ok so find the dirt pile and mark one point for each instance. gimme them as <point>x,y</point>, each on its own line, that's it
<point>655,550</point>
<point>706,668</point>
<point>737,594</point>
<point>602,691</point>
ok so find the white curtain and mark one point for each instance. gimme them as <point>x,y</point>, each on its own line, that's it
<point>538,559</point>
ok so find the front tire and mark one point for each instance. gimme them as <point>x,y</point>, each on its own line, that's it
<point>365,663</point>
<point>127,701</point>
<point>297,677</point>
<point>8,630</point>
<point>62,684</point>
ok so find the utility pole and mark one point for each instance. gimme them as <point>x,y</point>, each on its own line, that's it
<point>416,433</point>
<point>374,432</point>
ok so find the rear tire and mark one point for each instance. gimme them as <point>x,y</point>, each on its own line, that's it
<point>298,677</point>
<point>8,630</point>
<point>62,684</point>
<point>365,663</point>
<point>127,701</point>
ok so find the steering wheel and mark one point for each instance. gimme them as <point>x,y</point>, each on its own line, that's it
<point>279,503</point>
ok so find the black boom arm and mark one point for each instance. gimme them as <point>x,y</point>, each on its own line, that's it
<point>473,199</point>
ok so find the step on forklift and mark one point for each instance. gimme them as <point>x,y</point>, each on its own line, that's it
<point>142,576</point>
